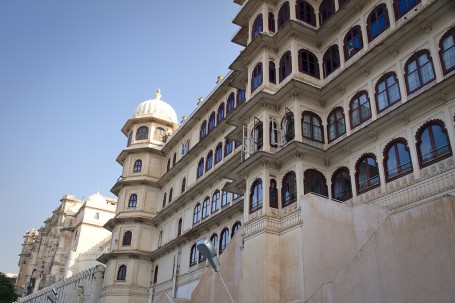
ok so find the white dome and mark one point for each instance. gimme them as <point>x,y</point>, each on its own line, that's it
<point>96,199</point>
<point>156,108</point>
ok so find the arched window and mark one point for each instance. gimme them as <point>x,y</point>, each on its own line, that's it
<point>288,189</point>
<point>341,184</point>
<point>273,194</point>
<point>218,152</point>
<point>137,166</point>
<point>359,109</point>
<point>256,195</point>
<point>121,273</point>
<point>164,200</point>
<point>377,22</point>
<point>214,241</point>
<point>197,213</point>
<point>224,239</point>
<point>285,65</point>
<point>447,51</point>
<point>226,199</point>
<point>418,71</point>
<point>179,227</point>
<point>127,238</point>
<point>185,147</point>
<point>220,115</point>
<point>353,42</point>
<point>432,143</point>
<point>230,103</point>
<point>168,166</point>
<point>212,121</point>
<point>397,160</point>
<point>287,128</point>
<point>193,255</point>
<point>132,202</point>
<point>142,133</point>
<point>283,14</point>
<point>174,159</point>
<point>200,168</point>
<point>160,134</point>
<point>227,147</point>
<point>331,60</point>
<point>209,163</point>
<point>171,191</point>
<point>216,201</point>
<point>235,228</point>
<point>272,72</point>
<point>155,275</point>
<point>305,12</point>
<point>183,185</point>
<point>257,26</point>
<point>308,63</point>
<point>315,182</point>
<point>257,135</point>
<point>326,9</point>
<point>130,138</point>
<point>271,22</point>
<point>401,7</point>
<point>160,239</point>
<point>203,131</point>
<point>387,91</point>
<point>240,96</point>
<point>336,126</point>
<point>205,208</point>
<point>367,173</point>
<point>256,77</point>
<point>312,127</point>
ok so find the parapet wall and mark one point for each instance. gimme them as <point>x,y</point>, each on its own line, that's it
<point>84,287</point>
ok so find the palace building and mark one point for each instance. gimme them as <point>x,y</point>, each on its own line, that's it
<point>320,167</point>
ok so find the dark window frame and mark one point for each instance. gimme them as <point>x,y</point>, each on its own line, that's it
<point>121,273</point>
<point>326,10</point>
<point>312,126</point>
<point>385,79</point>
<point>256,77</point>
<point>354,33</point>
<point>230,104</point>
<point>220,113</point>
<point>362,118</point>
<point>272,72</point>
<point>449,33</point>
<point>209,161</point>
<point>418,138</point>
<point>397,9</point>
<point>137,167</point>
<point>235,227</point>
<point>331,60</point>
<point>376,22</point>
<point>257,26</point>
<point>310,184</point>
<point>203,130</point>
<point>401,171</point>
<point>142,133</point>
<point>284,14</point>
<point>218,153</point>
<point>338,131</point>
<point>183,187</point>
<point>224,239</point>
<point>415,57</point>
<point>347,189</point>
<point>305,8</point>
<point>132,201</point>
<point>285,65</point>
<point>370,185</point>
<point>193,255</point>
<point>256,195</point>
<point>212,122</point>
<point>288,189</point>
<point>205,208</point>
<point>127,237</point>
<point>197,213</point>
<point>271,22</point>
<point>305,64</point>
<point>215,202</point>
<point>200,168</point>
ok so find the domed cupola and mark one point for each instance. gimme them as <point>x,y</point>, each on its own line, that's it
<point>156,108</point>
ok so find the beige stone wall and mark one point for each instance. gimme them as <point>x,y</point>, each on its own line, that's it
<point>210,288</point>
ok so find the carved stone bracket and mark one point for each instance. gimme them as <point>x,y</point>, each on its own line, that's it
<point>427,27</point>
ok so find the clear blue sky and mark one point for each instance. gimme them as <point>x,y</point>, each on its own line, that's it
<point>72,73</point>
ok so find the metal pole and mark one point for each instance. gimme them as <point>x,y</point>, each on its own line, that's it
<point>224,284</point>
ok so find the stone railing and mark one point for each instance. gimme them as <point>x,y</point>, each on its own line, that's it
<point>124,290</point>
<point>84,287</point>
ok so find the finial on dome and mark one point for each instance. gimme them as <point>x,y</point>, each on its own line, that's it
<point>158,94</point>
